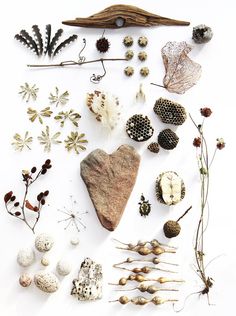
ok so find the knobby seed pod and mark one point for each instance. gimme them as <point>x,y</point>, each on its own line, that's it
<point>151,289</point>
<point>140,300</point>
<point>141,278</point>
<point>144,269</point>
<point>154,260</point>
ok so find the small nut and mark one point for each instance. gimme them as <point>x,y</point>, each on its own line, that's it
<point>45,261</point>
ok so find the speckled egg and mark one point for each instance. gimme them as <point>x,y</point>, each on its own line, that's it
<point>25,257</point>
<point>63,267</point>
<point>46,281</point>
<point>44,242</point>
<point>25,280</point>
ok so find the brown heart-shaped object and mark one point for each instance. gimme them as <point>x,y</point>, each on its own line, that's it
<point>109,180</point>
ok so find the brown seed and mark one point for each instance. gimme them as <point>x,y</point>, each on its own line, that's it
<point>158,251</point>
<point>139,278</point>
<point>124,300</point>
<point>143,251</point>
<point>122,281</point>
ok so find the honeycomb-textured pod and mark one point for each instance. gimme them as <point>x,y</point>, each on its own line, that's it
<point>154,147</point>
<point>138,128</point>
<point>167,139</point>
<point>170,188</point>
<point>170,112</point>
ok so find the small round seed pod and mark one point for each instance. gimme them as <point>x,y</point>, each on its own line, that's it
<point>202,34</point>
<point>132,277</point>
<point>142,41</point>
<point>144,251</point>
<point>138,128</point>
<point>129,71</point>
<point>44,242</point>
<point>63,267</point>
<point>123,281</point>
<point>167,139</point>
<point>25,280</point>
<point>140,278</point>
<point>139,300</point>
<point>171,229</point>
<point>154,147</point>
<point>128,41</point>
<point>144,71</point>
<point>142,56</point>
<point>102,45</point>
<point>45,261</point>
<point>143,287</point>
<point>25,257</point>
<point>157,251</point>
<point>129,54</point>
<point>123,300</point>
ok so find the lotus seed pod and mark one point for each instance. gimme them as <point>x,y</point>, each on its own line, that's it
<point>25,257</point>
<point>25,280</point>
<point>46,281</point>
<point>128,41</point>
<point>44,242</point>
<point>170,112</point>
<point>144,71</point>
<point>129,71</point>
<point>202,34</point>
<point>142,56</point>
<point>129,54</point>
<point>63,267</point>
<point>171,229</point>
<point>142,41</point>
<point>167,139</point>
<point>138,128</point>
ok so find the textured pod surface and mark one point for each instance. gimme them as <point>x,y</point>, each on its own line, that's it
<point>170,188</point>
<point>202,34</point>
<point>88,286</point>
<point>46,281</point>
<point>170,112</point>
<point>167,139</point>
<point>44,242</point>
<point>138,128</point>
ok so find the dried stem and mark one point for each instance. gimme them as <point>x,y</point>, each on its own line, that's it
<point>184,214</point>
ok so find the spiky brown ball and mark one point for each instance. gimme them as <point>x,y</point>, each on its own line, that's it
<point>102,45</point>
<point>171,229</point>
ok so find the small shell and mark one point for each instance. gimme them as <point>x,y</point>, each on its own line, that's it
<point>46,281</point>
<point>170,188</point>
<point>25,280</point>
<point>63,267</point>
<point>45,261</point>
<point>44,242</point>
<point>25,257</point>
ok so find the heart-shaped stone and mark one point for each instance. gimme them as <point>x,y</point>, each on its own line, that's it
<point>109,180</point>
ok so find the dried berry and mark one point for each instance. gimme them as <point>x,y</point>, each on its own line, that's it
<point>220,143</point>
<point>139,128</point>
<point>206,112</point>
<point>128,41</point>
<point>102,45</point>
<point>17,213</point>
<point>154,147</point>
<point>33,170</point>
<point>202,34</point>
<point>46,193</point>
<point>142,56</point>
<point>129,54</point>
<point>44,171</point>
<point>170,112</point>
<point>8,196</point>
<point>16,204</point>
<point>144,71</point>
<point>43,202</point>
<point>167,139</point>
<point>171,229</point>
<point>142,41</point>
<point>197,142</point>
<point>129,71</point>
<point>12,199</point>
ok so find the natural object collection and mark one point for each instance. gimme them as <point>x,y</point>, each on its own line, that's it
<point>110,178</point>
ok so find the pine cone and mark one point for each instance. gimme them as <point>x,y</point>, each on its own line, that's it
<point>154,147</point>
<point>138,128</point>
<point>170,112</point>
<point>167,139</point>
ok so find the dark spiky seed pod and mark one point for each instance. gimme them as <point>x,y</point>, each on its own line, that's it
<point>138,128</point>
<point>170,112</point>
<point>167,139</point>
<point>154,147</point>
<point>171,229</point>
<point>102,45</point>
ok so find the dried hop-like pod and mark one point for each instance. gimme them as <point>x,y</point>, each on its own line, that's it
<point>138,128</point>
<point>102,45</point>
<point>170,112</point>
<point>129,54</point>
<point>171,229</point>
<point>168,139</point>
<point>142,56</point>
<point>144,71</point>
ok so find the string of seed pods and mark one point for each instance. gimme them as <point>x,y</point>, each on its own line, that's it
<point>140,300</point>
<point>153,243</point>
<point>154,260</point>
<point>151,289</point>
<point>144,269</point>
<point>141,278</point>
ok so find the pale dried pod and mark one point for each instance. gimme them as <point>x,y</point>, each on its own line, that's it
<point>25,280</point>
<point>44,242</point>
<point>45,261</point>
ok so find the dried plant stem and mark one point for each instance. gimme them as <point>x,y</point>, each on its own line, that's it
<point>74,63</point>
<point>158,85</point>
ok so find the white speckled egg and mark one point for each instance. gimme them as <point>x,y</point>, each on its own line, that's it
<point>46,281</point>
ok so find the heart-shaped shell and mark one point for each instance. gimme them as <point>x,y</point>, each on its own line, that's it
<point>170,188</point>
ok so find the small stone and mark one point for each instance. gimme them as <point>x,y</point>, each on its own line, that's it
<point>202,34</point>
<point>74,241</point>
<point>25,257</point>
<point>142,41</point>
<point>129,71</point>
<point>45,261</point>
<point>142,56</point>
<point>25,280</point>
<point>44,242</point>
<point>171,229</point>
<point>144,71</point>
<point>110,179</point>
<point>46,281</point>
<point>63,267</point>
<point>128,41</point>
<point>129,54</point>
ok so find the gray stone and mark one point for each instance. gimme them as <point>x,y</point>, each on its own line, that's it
<point>110,180</point>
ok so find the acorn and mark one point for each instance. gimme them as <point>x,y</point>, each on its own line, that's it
<point>172,228</point>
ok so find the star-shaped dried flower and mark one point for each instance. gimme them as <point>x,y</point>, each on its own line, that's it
<point>20,143</point>
<point>47,140</point>
<point>70,115</point>
<point>57,98</point>
<point>75,141</point>
<point>28,92</point>
<point>33,114</point>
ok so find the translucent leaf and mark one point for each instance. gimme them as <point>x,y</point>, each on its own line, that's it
<point>181,72</point>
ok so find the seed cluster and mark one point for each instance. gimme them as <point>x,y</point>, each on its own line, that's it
<point>170,112</point>
<point>139,128</point>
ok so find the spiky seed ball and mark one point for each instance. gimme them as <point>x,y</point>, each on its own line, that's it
<point>171,229</point>
<point>142,56</point>
<point>154,147</point>
<point>102,45</point>
<point>167,139</point>
<point>202,34</point>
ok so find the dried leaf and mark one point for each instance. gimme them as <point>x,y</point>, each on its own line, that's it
<point>29,206</point>
<point>74,141</point>
<point>28,92</point>
<point>59,99</point>
<point>20,143</point>
<point>70,115</point>
<point>47,140</point>
<point>181,72</point>
<point>33,114</point>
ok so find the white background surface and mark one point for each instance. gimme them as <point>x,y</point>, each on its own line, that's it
<point>215,89</point>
